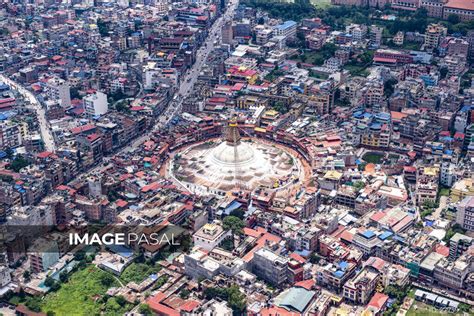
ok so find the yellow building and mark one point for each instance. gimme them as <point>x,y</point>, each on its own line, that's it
<point>461,189</point>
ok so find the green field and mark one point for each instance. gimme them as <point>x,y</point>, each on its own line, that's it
<point>83,295</point>
<point>321,4</point>
<point>372,157</point>
<point>137,272</point>
<point>423,309</point>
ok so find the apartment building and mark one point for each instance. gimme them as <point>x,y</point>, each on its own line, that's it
<point>360,288</point>
<point>433,35</point>
<point>96,104</point>
<point>465,213</point>
<point>58,89</point>
<point>210,236</point>
<point>270,266</point>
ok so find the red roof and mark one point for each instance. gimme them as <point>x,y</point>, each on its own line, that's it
<point>409,169</point>
<point>190,305</point>
<point>81,129</point>
<point>385,60</point>
<point>44,154</point>
<point>307,284</point>
<point>155,304</point>
<point>277,311</point>
<point>297,257</point>
<point>378,301</point>
<point>121,203</point>
<point>461,4</point>
<point>442,250</point>
<point>93,137</point>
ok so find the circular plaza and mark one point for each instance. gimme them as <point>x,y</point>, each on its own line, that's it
<point>220,165</point>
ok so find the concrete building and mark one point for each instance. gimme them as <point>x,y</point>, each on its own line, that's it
<point>96,104</point>
<point>270,266</point>
<point>408,5</point>
<point>458,244</point>
<point>358,31</point>
<point>464,9</point>
<point>434,7</point>
<point>465,213</point>
<point>375,36</point>
<point>458,47</point>
<point>227,33</point>
<point>5,276</point>
<point>287,29</point>
<point>210,236</point>
<point>43,254</point>
<point>359,289</point>
<point>433,35</point>
<point>58,89</point>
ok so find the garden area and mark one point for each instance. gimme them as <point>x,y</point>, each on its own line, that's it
<point>373,157</point>
<point>422,309</point>
<point>137,272</point>
<point>84,293</point>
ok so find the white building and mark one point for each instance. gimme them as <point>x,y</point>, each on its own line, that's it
<point>155,75</point>
<point>58,89</point>
<point>447,175</point>
<point>286,29</point>
<point>96,104</point>
<point>210,236</point>
<point>465,213</point>
<point>5,277</point>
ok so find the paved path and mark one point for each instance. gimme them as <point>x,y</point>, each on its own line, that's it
<point>45,130</point>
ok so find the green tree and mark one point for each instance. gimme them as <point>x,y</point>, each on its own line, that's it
<point>34,304</point>
<point>106,279</point>
<point>63,276</point>
<point>358,185</point>
<point>280,107</point>
<point>27,275</point>
<point>144,309</point>
<point>234,224</point>
<point>184,294</point>
<point>18,163</point>
<point>453,19</point>
<point>121,300</point>
<point>103,27</point>
<point>49,281</point>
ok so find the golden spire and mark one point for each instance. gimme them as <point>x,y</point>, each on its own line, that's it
<point>232,135</point>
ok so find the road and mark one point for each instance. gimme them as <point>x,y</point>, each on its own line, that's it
<point>193,73</point>
<point>189,79</point>
<point>185,87</point>
<point>443,202</point>
<point>45,130</point>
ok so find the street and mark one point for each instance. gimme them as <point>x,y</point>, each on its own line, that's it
<point>46,133</point>
<point>190,78</point>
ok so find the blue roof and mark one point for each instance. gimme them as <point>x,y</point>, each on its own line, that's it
<point>121,250</point>
<point>385,235</point>
<point>338,274</point>
<point>303,253</point>
<point>285,25</point>
<point>368,234</point>
<point>343,265</point>
<point>232,207</point>
<point>383,116</point>
<point>465,108</point>
<point>376,126</point>
<point>297,298</point>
